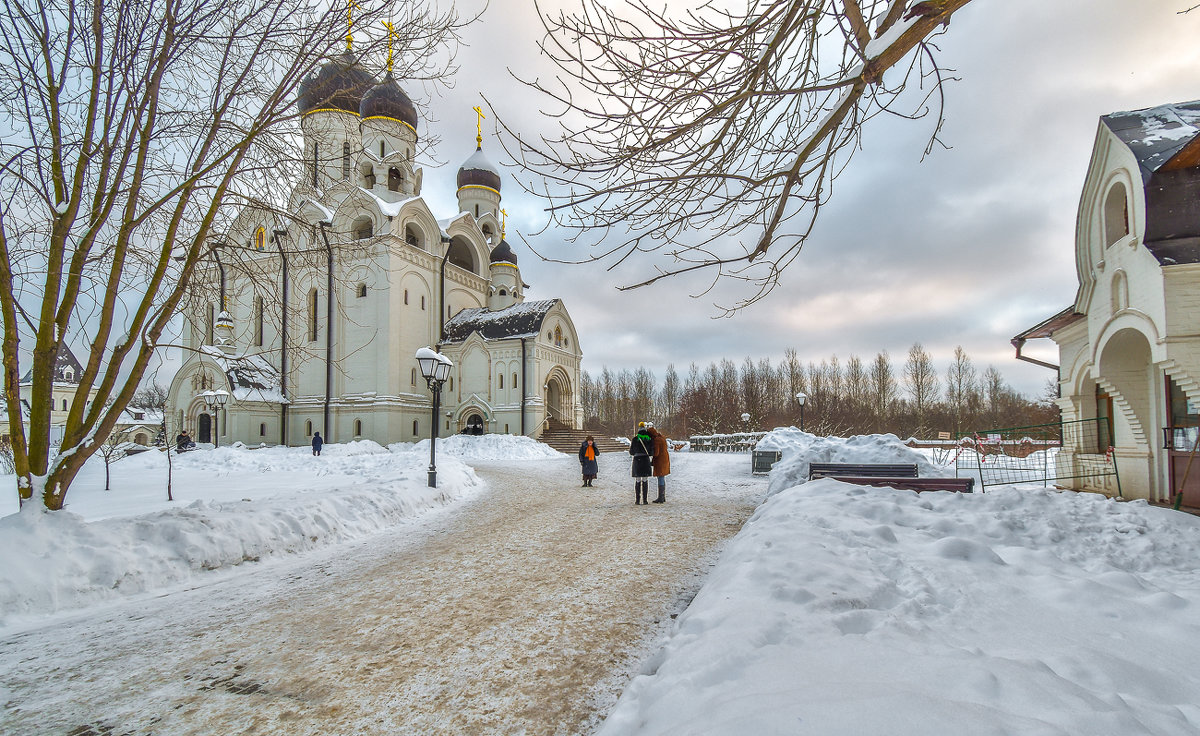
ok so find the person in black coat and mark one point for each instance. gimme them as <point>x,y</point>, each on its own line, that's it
<point>588,456</point>
<point>317,442</point>
<point>641,446</point>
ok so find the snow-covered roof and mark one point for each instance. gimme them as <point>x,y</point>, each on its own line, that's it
<point>390,209</point>
<point>63,361</point>
<point>133,415</point>
<point>1156,134</point>
<point>518,320</point>
<point>252,377</point>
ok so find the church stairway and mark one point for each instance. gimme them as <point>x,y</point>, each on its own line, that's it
<point>564,439</point>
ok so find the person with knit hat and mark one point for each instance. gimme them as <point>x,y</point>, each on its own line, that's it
<point>641,446</point>
<point>588,454</point>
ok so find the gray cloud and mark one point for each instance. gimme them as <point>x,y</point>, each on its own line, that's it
<point>968,247</point>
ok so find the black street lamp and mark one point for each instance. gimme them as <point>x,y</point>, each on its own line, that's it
<point>436,369</point>
<point>215,401</point>
<point>800,397</point>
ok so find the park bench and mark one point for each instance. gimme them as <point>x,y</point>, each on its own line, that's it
<point>862,470</point>
<point>958,485</point>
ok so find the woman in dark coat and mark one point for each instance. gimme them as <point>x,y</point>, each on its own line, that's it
<point>642,449</point>
<point>588,454</point>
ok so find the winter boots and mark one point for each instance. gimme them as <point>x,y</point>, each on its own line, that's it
<point>641,491</point>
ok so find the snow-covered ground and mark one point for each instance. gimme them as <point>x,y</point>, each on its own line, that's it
<point>232,505</point>
<point>840,609</point>
<point>836,609</point>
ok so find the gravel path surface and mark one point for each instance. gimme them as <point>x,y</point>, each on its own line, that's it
<point>524,610</point>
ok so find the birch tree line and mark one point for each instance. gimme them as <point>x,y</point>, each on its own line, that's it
<point>854,396</point>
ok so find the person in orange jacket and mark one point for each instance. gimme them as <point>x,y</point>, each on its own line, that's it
<point>661,462</point>
<point>588,454</point>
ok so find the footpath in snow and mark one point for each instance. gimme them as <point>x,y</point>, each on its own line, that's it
<point>232,505</point>
<point>840,609</point>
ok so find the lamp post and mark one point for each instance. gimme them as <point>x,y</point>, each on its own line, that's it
<point>435,367</point>
<point>215,401</point>
<point>800,397</point>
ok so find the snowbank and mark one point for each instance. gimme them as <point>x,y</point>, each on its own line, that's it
<point>801,448</point>
<point>840,609</point>
<point>233,505</point>
<point>490,447</point>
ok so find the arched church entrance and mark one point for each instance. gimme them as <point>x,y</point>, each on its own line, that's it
<point>204,428</point>
<point>559,404</point>
<point>474,424</point>
<point>1127,374</point>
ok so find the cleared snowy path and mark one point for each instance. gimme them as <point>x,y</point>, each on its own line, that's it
<point>522,611</point>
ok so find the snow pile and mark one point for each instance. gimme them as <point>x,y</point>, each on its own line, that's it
<point>232,505</point>
<point>489,447</point>
<point>801,448</point>
<point>840,609</point>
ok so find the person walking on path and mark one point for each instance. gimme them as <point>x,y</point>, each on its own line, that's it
<point>642,448</point>
<point>317,442</point>
<point>661,463</point>
<point>588,453</point>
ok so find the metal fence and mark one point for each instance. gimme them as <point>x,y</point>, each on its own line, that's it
<point>737,442</point>
<point>1076,455</point>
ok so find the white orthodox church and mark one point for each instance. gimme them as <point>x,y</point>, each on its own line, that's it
<point>319,334</point>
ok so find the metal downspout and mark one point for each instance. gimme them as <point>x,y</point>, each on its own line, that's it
<point>522,387</point>
<point>328,331</point>
<point>283,339</point>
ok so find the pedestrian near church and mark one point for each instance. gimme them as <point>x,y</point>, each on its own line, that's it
<point>588,455</point>
<point>661,462</point>
<point>317,442</point>
<point>641,446</point>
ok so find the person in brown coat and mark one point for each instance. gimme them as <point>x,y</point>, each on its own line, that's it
<point>661,462</point>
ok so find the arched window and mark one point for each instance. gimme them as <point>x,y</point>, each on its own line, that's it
<point>312,315</point>
<point>412,236</point>
<point>414,376</point>
<point>514,381</point>
<point>363,228</point>
<point>357,427</point>
<point>1116,214</point>
<point>451,383</point>
<point>209,320</point>
<point>260,239</point>
<point>262,430</point>
<point>461,254</point>
<point>503,292</point>
<point>315,159</point>
<point>1120,291</point>
<point>422,302</point>
<point>381,154</point>
<point>258,320</point>
<point>406,296</point>
<point>361,291</point>
<point>69,373</point>
<point>368,176</point>
<point>345,159</point>
<point>64,405</point>
<point>487,232</point>
<point>416,428</point>
<point>308,428</point>
<point>395,178</point>
<point>501,380</point>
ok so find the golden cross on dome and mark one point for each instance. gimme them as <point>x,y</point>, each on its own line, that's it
<point>350,4</point>
<point>503,218</point>
<point>391,34</point>
<point>479,126</point>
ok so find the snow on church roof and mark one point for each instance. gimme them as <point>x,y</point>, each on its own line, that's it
<point>252,377</point>
<point>1156,134</point>
<point>389,209</point>
<point>519,320</point>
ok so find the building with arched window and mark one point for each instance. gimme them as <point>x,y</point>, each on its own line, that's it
<point>1129,347</point>
<point>317,327</point>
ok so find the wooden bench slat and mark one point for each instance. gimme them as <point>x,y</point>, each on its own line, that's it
<point>958,485</point>
<point>898,470</point>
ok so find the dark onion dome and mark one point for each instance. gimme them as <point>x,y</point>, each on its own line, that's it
<point>503,253</point>
<point>479,172</point>
<point>387,100</point>
<point>338,85</point>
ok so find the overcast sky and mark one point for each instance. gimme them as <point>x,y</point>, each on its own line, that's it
<point>968,247</point>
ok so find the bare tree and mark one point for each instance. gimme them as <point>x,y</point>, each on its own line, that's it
<point>962,388</point>
<point>883,389</point>
<point>131,135</point>
<point>670,397</point>
<point>112,449</point>
<point>713,136</point>
<point>921,380</point>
